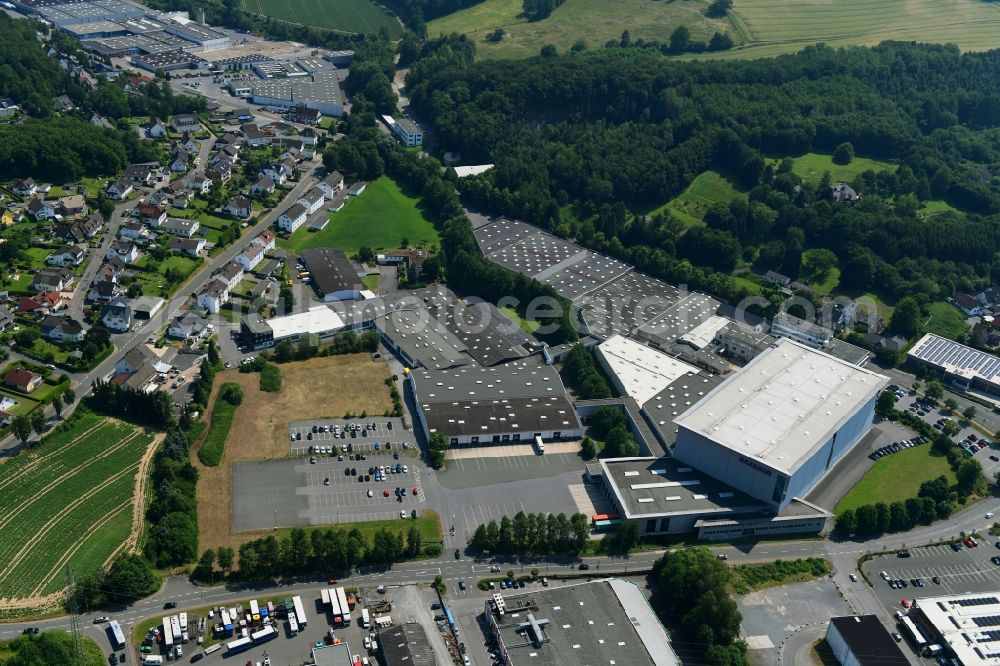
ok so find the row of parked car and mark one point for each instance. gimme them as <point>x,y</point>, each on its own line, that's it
<point>896,447</point>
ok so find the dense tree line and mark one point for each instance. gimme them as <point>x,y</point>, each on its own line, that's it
<point>129,578</point>
<point>173,513</point>
<point>533,534</point>
<point>582,375</point>
<point>536,10</point>
<point>153,408</point>
<point>27,74</point>
<point>581,142</point>
<point>328,550</point>
<point>692,586</point>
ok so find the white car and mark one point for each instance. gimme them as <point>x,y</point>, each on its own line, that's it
<point>368,643</point>
<point>370,493</point>
<point>402,514</point>
<point>989,514</point>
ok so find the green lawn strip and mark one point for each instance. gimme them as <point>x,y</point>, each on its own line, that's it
<point>811,167</point>
<point>371,282</point>
<point>750,285</point>
<point>36,256</point>
<point>830,280</point>
<point>214,445</point>
<point>380,218</point>
<point>270,378</point>
<point>427,521</point>
<point>945,319</point>
<point>527,325</point>
<point>897,477</point>
<point>758,576</point>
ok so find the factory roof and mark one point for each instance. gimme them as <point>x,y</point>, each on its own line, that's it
<point>317,320</point>
<point>518,379</point>
<point>168,58</point>
<point>319,88</point>
<point>538,255</point>
<point>422,338</point>
<point>868,640</point>
<point>407,645</point>
<point>330,270</point>
<point>664,487</point>
<point>845,351</point>
<point>675,399</point>
<point>783,404</point>
<point>641,370</point>
<point>194,32</point>
<point>968,623</point>
<point>584,273</point>
<point>703,334</point>
<point>680,318</point>
<point>628,301</point>
<point>501,233</point>
<point>597,622</point>
<point>956,359</point>
<point>485,416</point>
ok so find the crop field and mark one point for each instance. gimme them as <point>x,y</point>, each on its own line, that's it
<point>69,502</point>
<point>360,16</point>
<point>593,21</point>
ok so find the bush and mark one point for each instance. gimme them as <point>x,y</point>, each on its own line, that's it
<point>270,378</point>
<point>232,393</point>
<point>210,453</point>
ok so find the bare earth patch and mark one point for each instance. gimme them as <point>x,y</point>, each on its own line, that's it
<point>329,386</point>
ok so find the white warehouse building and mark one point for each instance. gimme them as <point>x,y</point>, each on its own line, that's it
<point>774,429</point>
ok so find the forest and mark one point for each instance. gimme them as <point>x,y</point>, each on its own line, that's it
<point>583,143</point>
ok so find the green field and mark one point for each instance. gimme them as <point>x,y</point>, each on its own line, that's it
<point>68,501</point>
<point>897,477</point>
<point>210,453</point>
<point>760,28</point>
<point>936,206</point>
<point>371,282</point>
<point>380,218</point>
<point>829,282</point>
<point>593,21</point>
<point>811,166</point>
<point>706,190</point>
<point>360,16</point>
<point>945,319</point>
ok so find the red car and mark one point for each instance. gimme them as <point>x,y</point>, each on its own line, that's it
<point>906,603</point>
<point>385,493</point>
<point>332,581</point>
<point>416,491</point>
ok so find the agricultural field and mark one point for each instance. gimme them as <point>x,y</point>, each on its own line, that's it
<point>380,218</point>
<point>360,16</point>
<point>71,501</point>
<point>593,21</point>
<point>811,166</point>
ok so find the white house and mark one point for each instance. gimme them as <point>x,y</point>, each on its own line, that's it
<point>189,246</point>
<point>133,231</point>
<point>178,226</point>
<point>312,200</point>
<point>119,189</point>
<point>42,210</point>
<point>231,274</point>
<point>52,279</point>
<point>238,206</point>
<point>279,173</point>
<point>117,315</point>
<point>156,130</point>
<point>187,326</point>
<point>25,188</point>
<point>265,240</point>
<point>152,215</point>
<point>61,329</point>
<point>179,161</point>
<point>262,187</point>
<point>332,184</point>
<point>124,250</point>
<point>968,304</point>
<point>185,122</point>
<point>213,296</point>
<point>71,255</point>
<point>292,218</point>
<point>251,255</point>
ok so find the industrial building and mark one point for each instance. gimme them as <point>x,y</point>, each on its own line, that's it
<point>318,321</point>
<point>962,366</point>
<point>332,274</point>
<point>420,340</point>
<point>812,335</point>
<point>861,640</point>
<point>406,644</point>
<point>407,131</point>
<point>512,402</point>
<point>169,61</point>
<point>598,622</point>
<point>638,371</point>
<point>775,428</point>
<point>965,627</point>
<point>320,91</point>
<point>74,13</point>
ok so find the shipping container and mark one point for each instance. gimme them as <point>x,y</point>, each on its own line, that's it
<point>239,645</point>
<point>264,635</point>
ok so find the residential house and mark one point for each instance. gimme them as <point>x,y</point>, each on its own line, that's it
<point>42,303</point>
<point>189,246</point>
<point>231,273</point>
<point>968,304</point>
<point>254,136</point>
<point>262,187</point>
<point>844,193</point>
<point>305,115</point>
<point>238,206</point>
<point>179,159</point>
<point>292,218</point>
<point>98,121</point>
<point>407,131</point>
<point>332,184</point>
<point>219,172</point>
<point>42,210</point>
<point>156,129</point>
<point>61,329</point>
<point>187,326</point>
<point>22,380</point>
<point>6,319</point>
<point>277,172</point>
<point>185,122</point>
<point>134,360</point>
<point>133,231</point>
<point>178,226</point>
<point>199,183</point>
<point>230,154</point>
<point>989,297</point>
<point>312,200</point>
<point>357,189</point>
<point>26,187</point>
<point>103,291</point>
<point>118,189</point>
<point>124,250</point>
<point>408,257</point>
<point>71,255</point>
<point>117,315</point>
<point>140,174</point>
<point>182,198</point>
<point>52,279</point>
<point>309,136</point>
<point>265,240</point>
<point>251,255</point>
<point>72,206</point>
<point>214,295</point>
<point>227,140</point>
<point>188,142</point>
<point>777,278</point>
<point>152,215</point>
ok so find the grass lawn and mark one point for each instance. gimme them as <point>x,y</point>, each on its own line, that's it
<point>24,405</point>
<point>936,206</point>
<point>884,309</point>
<point>830,280</point>
<point>527,325</point>
<point>184,264</point>
<point>244,287</point>
<point>380,218</point>
<point>371,282</point>
<point>708,189</point>
<point>360,16</point>
<point>945,319</point>
<point>37,256</point>
<point>897,477</point>
<point>812,165</point>
<point>747,283</point>
<point>214,446</point>
<point>590,20</point>
<point>428,522</point>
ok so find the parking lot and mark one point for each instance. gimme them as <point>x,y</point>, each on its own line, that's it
<point>361,434</point>
<point>957,572</point>
<point>988,455</point>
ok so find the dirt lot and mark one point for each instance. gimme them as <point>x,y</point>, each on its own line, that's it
<point>320,387</point>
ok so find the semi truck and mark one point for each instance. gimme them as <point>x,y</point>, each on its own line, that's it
<point>300,611</point>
